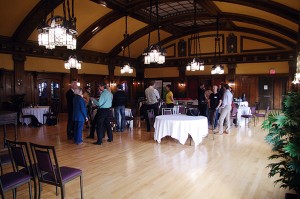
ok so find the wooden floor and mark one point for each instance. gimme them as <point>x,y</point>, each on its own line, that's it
<point>135,166</point>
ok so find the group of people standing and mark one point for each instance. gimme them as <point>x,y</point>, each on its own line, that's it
<point>216,106</point>
<point>80,109</point>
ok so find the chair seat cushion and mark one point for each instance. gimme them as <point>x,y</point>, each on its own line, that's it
<point>247,116</point>
<point>67,174</point>
<point>14,179</point>
<point>260,115</point>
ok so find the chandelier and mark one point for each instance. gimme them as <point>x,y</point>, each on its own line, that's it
<point>217,67</point>
<point>154,53</point>
<point>126,68</point>
<point>297,74</point>
<point>196,63</point>
<point>73,62</point>
<point>58,30</point>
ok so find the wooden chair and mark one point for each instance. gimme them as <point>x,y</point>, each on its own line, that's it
<point>167,111</point>
<point>258,115</point>
<point>13,180</point>
<point>250,116</point>
<point>48,170</point>
<point>21,161</point>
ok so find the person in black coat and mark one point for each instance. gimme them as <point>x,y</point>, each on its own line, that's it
<point>70,95</point>
<point>119,102</point>
<point>202,103</point>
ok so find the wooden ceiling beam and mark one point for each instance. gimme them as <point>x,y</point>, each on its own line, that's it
<point>33,19</point>
<point>269,6</point>
<point>97,26</point>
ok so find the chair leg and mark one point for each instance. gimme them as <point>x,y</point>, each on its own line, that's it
<point>14,193</point>
<point>81,187</point>
<point>35,188</point>
<point>56,191</point>
<point>62,189</point>
<point>40,189</point>
<point>29,186</point>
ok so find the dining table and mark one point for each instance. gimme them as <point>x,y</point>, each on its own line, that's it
<point>37,111</point>
<point>180,126</point>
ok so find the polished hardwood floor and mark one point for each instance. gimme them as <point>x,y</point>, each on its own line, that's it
<point>135,166</point>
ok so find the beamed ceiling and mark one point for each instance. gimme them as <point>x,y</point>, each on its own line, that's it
<point>101,25</point>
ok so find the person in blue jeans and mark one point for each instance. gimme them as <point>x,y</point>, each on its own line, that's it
<point>79,115</point>
<point>214,104</point>
<point>119,102</point>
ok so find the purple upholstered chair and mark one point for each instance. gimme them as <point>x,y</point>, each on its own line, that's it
<point>21,161</point>
<point>12,180</point>
<point>48,171</point>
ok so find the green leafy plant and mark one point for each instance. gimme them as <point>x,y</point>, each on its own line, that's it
<point>284,136</point>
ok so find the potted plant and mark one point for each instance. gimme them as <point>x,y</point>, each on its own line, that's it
<point>284,136</point>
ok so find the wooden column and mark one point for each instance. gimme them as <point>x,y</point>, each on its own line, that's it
<point>231,73</point>
<point>111,71</point>
<point>19,74</point>
<point>73,74</point>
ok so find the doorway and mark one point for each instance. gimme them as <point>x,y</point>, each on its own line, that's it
<point>265,87</point>
<point>48,92</point>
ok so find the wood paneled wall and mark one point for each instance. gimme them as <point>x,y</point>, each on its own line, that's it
<point>247,84</point>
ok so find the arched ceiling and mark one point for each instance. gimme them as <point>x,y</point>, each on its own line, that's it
<point>101,23</point>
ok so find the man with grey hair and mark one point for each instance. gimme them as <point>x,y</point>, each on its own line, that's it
<point>70,95</point>
<point>152,96</point>
<point>104,103</point>
<point>225,113</point>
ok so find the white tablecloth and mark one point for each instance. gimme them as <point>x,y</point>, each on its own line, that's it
<point>242,110</point>
<point>180,126</point>
<point>36,111</point>
<point>242,103</point>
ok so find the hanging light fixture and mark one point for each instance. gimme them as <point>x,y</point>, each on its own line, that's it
<point>154,53</point>
<point>126,68</point>
<point>58,30</point>
<point>73,62</point>
<point>196,63</point>
<point>217,67</point>
<point>297,74</point>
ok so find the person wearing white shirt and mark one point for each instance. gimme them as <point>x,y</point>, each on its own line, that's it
<point>225,112</point>
<point>152,96</point>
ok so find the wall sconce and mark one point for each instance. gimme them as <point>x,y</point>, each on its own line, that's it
<point>181,84</point>
<point>19,82</point>
<point>78,83</point>
<point>113,84</point>
<point>231,83</point>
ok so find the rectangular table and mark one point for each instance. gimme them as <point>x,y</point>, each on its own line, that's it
<point>180,126</point>
<point>38,112</point>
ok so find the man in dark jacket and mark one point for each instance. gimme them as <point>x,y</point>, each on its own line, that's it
<point>70,95</point>
<point>119,102</point>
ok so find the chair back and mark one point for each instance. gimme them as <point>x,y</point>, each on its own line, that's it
<point>20,157</point>
<point>267,110</point>
<point>167,111</point>
<point>150,114</point>
<point>46,163</point>
<point>181,110</point>
<point>253,110</point>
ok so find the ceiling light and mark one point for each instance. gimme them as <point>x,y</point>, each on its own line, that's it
<point>58,30</point>
<point>154,53</point>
